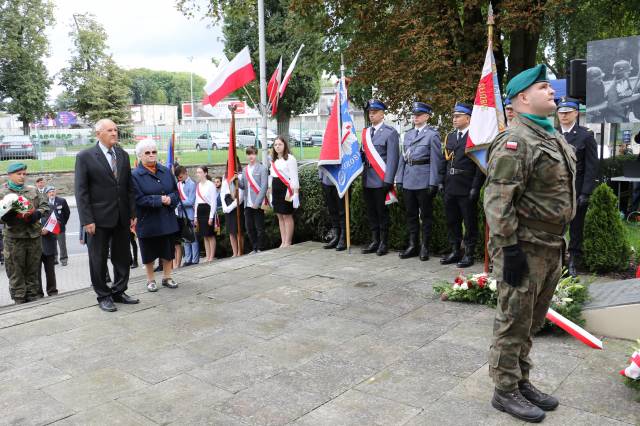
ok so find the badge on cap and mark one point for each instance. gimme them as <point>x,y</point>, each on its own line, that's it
<point>512,145</point>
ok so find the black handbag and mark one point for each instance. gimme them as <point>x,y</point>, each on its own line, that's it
<point>187,233</point>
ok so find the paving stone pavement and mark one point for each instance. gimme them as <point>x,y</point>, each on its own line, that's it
<point>301,336</point>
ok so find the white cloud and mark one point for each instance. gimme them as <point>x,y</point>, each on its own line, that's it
<point>142,33</point>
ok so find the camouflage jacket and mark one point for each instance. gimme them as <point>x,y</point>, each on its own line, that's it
<point>17,228</point>
<point>530,178</point>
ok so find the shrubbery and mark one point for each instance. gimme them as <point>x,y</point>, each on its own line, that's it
<point>605,246</point>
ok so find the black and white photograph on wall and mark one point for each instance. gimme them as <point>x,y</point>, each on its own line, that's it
<point>613,80</point>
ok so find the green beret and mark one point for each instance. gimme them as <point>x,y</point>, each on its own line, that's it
<point>16,167</point>
<point>525,79</point>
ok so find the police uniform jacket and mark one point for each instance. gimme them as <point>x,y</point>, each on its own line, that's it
<point>462,174</point>
<point>582,140</point>
<point>421,160</point>
<point>386,142</point>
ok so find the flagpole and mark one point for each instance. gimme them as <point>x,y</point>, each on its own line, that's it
<point>346,194</point>
<point>263,81</point>
<point>490,24</point>
<point>233,108</point>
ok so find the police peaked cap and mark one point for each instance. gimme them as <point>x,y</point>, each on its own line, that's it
<point>462,108</point>
<point>526,79</point>
<point>376,104</point>
<point>568,104</point>
<point>422,108</point>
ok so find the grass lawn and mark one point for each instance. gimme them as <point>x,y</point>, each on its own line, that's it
<point>632,233</point>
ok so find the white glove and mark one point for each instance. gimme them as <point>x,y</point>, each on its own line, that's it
<point>296,201</point>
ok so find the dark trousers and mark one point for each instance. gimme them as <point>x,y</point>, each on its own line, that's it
<point>335,205</point>
<point>134,246</point>
<point>120,259</point>
<point>50,275</point>
<point>418,203</point>
<point>460,209</point>
<point>62,244</point>
<point>575,231</point>
<point>254,222</point>
<point>377,211</point>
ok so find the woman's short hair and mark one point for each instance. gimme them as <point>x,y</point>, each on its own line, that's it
<point>251,150</point>
<point>180,170</point>
<point>143,145</point>
<point>285,151</point>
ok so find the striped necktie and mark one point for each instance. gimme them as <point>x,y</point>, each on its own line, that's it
<point>113,163</point>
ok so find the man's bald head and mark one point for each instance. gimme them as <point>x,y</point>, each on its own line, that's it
<point>107,132</point>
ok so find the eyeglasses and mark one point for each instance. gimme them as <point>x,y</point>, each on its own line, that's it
<point>150,152</point>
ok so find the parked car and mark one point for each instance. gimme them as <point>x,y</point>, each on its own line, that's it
<point>216,139</point>
<point>295,137</point>
<point>247,137</point>
<point>315,137</point>
<point>17,146</point>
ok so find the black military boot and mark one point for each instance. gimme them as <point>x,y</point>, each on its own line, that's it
<point>572,266</point>
<point>373,246</point>
<point>335,236</point>
<point>382,248</point>
<point>536,397</point>
<point>452,257</point>
<point>517,405</point>
<point>412,248</point>
<point>468,259</point>
<point>342,241</point>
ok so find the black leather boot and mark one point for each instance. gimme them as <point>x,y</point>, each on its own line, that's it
<point>335,236</point>
<point>468,258</point>
<point>536,397</point>
<point>452,257</point>
<point>572,266</point>
<point>342,241</point>
<point>517,405</point>
<point>373,245</point>
<point>412,248</point>
<point>382,248</point>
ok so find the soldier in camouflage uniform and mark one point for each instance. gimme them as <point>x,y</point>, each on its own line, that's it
<point>529,201</point>
<point>22,245</point>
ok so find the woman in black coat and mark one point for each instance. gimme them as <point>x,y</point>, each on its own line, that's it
<point>156,195</point>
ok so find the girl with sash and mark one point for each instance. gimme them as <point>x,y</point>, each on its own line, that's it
<point>285,187</point>
<point>254,182</point>
<point>205,207</point>
<point>229,206</point>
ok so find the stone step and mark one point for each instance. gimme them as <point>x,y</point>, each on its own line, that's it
<point>614,309</point>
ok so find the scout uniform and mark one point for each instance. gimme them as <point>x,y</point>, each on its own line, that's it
<point>462,183</point>
<point>419,174</point>
<point>22,242</point>
<point>529,201</point>
<point>586,149</point>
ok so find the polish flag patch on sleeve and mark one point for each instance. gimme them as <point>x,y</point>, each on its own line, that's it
<point>512,145</point>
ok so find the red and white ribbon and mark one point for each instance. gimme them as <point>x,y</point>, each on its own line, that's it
<point>254,185</point>
<point>284,180</point>
<point>574,329</point>
<point>377,163</point>
<point>633,370</point>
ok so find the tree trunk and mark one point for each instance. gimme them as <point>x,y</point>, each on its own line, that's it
<point>283,123</point>
<point>522,51</point>
<point>26,130</point>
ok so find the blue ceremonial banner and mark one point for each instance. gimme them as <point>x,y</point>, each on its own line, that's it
<point>340,137</point>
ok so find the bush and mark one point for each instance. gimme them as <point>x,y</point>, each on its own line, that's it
<point>605,246</point>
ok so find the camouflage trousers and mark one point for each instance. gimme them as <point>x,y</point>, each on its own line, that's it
<point>22,257</point>
<point>520,313</point>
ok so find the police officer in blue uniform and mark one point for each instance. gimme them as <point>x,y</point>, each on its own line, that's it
<point>385,140</point>
<point>420,176</point>
<point>462,183</point>
<point>582,140</point>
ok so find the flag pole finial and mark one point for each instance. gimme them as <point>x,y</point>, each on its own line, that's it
<point>490,23</point>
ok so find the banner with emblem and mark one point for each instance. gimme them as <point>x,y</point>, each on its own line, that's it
<point>340,151</point>
<point>487,118</point>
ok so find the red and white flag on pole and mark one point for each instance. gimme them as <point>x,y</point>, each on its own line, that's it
<point>273,88</point>
<point>287,75</point>
<point>231,77</point>
<point>574,329</point>
<point>52,224</point>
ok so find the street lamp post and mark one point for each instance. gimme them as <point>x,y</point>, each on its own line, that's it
<point>193,110</point>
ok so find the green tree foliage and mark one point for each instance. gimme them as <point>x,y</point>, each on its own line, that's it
<point>605,246</point>
<point>23,44</point>
<point>284,32</point>
<point>95,87</point>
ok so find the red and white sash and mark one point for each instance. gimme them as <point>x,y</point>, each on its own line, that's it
<point>378,164</point>
<point>200,194</point>
<point>254,185</point>
<point>284,180</point>
<point>182,196</point>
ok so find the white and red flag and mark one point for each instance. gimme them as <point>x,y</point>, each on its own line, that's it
<point>52,224</point>
<point>287,75</point>
<point>487,118</point>
<point>230,77</point>
<point>574,329</point>
<point>273,88</point>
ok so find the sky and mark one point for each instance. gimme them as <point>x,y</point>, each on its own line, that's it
<point>142,33</point>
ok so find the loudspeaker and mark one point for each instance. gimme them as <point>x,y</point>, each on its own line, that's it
<point>577,79</point>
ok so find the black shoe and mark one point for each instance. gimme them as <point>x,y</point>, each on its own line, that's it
<point>187,264</point>
<point>424,252</point>
<point>373,246</point>
<point>517,405</point>
<point>572,266</point>
<point>467,260</point>
<point>335,236</point>
<point>125,299</point>
<point>536,397</point>
<point>382,247</point>
<point>134,264</point>
<point>412,248</point>
<point>342,243</point>
<point>107,305</point>
<point>452,257</point>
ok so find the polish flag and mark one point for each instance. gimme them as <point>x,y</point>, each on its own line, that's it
<point>273,86</point>
<point>287,75</point>
<point>231,77</point>
<point>52,224</point>
<point>574,329</point>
